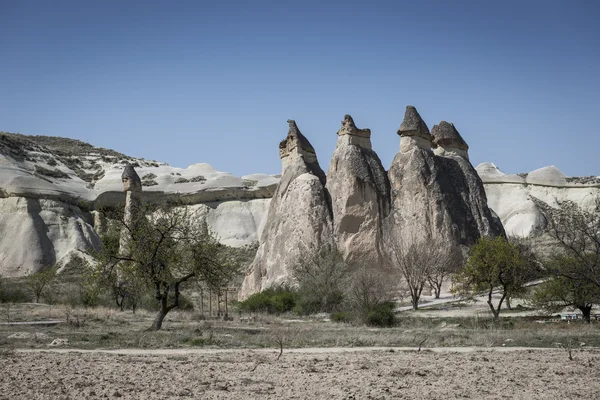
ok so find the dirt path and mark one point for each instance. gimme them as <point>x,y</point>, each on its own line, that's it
<point>303,350</point>
<point>323,373</point>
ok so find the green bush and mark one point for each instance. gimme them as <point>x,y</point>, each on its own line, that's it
<point>343,316</point>
<point>273,301</point>
<point>181,180</point>
<point>198,178</point>
<point>52,173</point>
<point>382,315</point>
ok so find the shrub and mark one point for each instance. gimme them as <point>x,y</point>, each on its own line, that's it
<point>52,173</point>
<point>343,316</point>
<point>181,180</point>
<point>382,315</point>
<point>149,183</point>
<point>149,177</point>
<point>273,301</point>
<point>248,183</point>
<point>198,178</point>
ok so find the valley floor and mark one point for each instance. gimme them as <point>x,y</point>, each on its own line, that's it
<point>302,374</point>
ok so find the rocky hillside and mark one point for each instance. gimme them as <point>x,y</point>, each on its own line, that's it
<point>510,195</point>
<point>51,187</point>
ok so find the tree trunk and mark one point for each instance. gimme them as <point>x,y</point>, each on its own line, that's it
<point>587,313</point>
<point>437,288</point>
<point>202,301</point>
<point>495,311</point>
<point>210,303</point>
<point>158,320</point>
<point>226,310</point>
<point>508,306</point>
<point>219,303</point>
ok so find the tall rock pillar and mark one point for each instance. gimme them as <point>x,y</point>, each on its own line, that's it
<point>299,218</point>
<point>360,197</point>
<point>132,186</point>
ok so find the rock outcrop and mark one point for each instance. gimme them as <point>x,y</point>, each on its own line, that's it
<point>37,233</point>
<point>299,218</point>
<point>132,186</point>
<point>360,197</point>
<point>49,185</point>
<point>513,196</point>
<point>436,198</point>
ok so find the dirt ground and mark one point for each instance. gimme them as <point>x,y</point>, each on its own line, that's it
<point>303,374</point>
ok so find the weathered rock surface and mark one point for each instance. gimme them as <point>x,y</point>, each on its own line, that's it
<point>46,182</point>
<point>37,233</point>
<point>360,197</point>
<point>299,218</point>
<point>510,196</point>
<point>437,198</point>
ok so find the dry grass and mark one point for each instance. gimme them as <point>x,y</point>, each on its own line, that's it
<point>103,327</point>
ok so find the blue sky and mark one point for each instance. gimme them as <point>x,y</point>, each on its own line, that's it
<point>192,81</point>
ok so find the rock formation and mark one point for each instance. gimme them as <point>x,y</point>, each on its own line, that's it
<point>513,196</point>
<point>132,186</point>
<point>299,217</point>
<point>360,197</point>
<point>38,233</point>
<point>438,198</point>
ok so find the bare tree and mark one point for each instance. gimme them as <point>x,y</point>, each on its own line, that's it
<point>415,259</point>
<point>367,290</point>
<point>443,267</point>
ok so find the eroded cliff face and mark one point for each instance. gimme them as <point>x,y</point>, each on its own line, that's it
<point>299,218</point>
<point>360,197</point>
<point>37,233</point>
<point>512,196</point>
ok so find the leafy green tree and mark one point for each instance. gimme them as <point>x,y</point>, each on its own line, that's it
<point>577,233</point>
<point>40,281</point>
<point>167,248</point>
<point>494,264</point>
<point>561,290</point>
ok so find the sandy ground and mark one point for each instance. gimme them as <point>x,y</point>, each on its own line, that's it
<point>304,374</point>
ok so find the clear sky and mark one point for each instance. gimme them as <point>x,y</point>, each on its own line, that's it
<point>215,81</point>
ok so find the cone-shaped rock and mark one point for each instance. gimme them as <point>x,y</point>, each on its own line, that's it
<point>299,218</point>
<point>447,139</point>
<point>436,198</point>
<point>131,180</point>
<point>360,197</point>
<point>414,131</point>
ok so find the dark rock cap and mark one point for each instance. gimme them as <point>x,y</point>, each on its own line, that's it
<point>413,124</point>
<point>349,128</point>
<point>446,135</point>
<point>294,134</point>
<point>130,174</point>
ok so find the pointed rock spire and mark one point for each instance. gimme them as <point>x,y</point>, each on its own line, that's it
<point>414,132</point>
<point>349,128</point>
<point>413,124</point>
<point>131,180</point>
<point>295,140</point>
<point>445,135</point>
